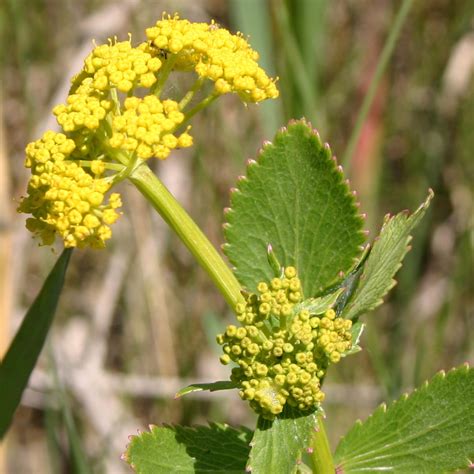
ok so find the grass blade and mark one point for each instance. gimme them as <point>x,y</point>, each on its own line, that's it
<point>21,357</point>
<point>253,19</point>
<point>379,71</point>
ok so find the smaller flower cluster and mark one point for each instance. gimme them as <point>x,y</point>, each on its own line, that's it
<point>216,54</point>
<point>146,127</point>
<point>122,66</point>
<point>63,198</point>
<point>86,107</point>
<point>282,350</point>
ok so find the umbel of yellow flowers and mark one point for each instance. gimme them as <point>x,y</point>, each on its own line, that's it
<point>115,118</point>
<point>282,350</point>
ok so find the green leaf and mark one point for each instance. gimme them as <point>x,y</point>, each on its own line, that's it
<point>277,445</point>
<point>430,431</point>
<point>384,260</point>
<point>294,197</point>
<point>212,387</point>
<point>201,449</point>
<point>21,357</point>
<point>319,305</point>
<point>356,330</point>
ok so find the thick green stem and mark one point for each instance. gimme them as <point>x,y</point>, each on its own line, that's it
<point>191,235</point>
<point>321,456</point>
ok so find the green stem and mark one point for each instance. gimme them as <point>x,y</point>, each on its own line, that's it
<point>163,74</point>
<point>321,455</point>
<point>187,98</point>
<point>191,235</point>
<point>108,166</point>
<point>379,70</point>
<point>203,104</point>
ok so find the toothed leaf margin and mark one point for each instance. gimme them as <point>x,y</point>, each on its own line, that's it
<point>384,261</point>
<point>199,450</point>
<point>295,198</point>
<point>429,431</point>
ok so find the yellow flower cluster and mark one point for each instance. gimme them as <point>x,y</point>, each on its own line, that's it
<point>63,198</point>
<point>282,350</point>
<point>107,127</point>
<point>86,107</point>
<point>122,66</point>
<point>146,127</point>
<point>215,54</point>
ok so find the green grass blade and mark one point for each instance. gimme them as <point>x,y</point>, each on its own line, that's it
<point>21,357</point>
<point>296,66</point>
<point>379,71</point>
<point>253,19</point>
<point>79,461</point>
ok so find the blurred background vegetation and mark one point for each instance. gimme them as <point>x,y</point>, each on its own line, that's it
<point>138,320</point>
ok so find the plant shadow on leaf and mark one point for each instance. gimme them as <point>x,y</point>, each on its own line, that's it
<point>217,447</point>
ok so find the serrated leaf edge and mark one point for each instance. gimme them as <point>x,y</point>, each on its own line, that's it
<point>384,407</point>
<point>387,218</point>
<point>266,144</point>
<point>151,427</point>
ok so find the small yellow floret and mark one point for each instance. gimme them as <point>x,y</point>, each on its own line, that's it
<point>122,66</point>
<point>216,54</point>
<point>146,127</point>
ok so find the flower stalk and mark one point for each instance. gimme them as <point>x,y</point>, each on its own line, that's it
<point>321,456</point>
<point>187,230</point>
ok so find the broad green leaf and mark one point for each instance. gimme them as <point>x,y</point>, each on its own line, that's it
<point>295,198</point>
<point>384,260</point>
<point>277,445</point>
<point>430,431</point>
<point>212,387</point>
<point>201,449</point>
<point>21,357</point>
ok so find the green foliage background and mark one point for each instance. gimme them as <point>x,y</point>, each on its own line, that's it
<point>165,312</point>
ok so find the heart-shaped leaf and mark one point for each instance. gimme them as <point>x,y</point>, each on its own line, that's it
<point>295,198</point>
